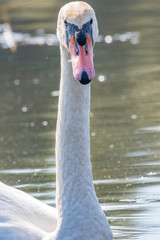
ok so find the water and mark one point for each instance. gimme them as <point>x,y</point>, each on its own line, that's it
<point>125,128</point>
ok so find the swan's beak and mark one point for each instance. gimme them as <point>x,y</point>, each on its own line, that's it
<point>81,50</point>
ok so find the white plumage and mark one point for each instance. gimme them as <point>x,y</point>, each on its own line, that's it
<point>79,215</point>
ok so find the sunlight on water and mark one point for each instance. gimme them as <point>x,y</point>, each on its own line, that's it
<point>10,39</point>
<point>125,140</point>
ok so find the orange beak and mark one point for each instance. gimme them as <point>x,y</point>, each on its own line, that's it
<point>82,59</point>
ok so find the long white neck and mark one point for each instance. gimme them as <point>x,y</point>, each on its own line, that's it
<point>79,212</point>
<point>74,175</point>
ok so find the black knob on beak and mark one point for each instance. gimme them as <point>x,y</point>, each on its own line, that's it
<point>81,38</point>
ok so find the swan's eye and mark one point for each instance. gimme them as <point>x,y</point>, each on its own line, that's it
<point>65,22</point>
<point>91,21</point>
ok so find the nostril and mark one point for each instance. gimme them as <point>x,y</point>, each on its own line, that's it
<point>84,78</point>
<point>77,49</point>
<point>86,48</point>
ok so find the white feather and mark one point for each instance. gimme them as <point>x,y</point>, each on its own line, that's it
<point>79,214</point>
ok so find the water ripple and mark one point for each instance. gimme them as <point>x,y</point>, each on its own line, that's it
<point>132,180</point>
<point>150,129</point>
<point>28,170</point>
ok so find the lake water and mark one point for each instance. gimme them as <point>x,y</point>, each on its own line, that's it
<point>125,108</point>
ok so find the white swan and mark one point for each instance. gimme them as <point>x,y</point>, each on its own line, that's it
<point>80,216</point>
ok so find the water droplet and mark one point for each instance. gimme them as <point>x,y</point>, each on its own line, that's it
<point>93,134</point>
<point>36,81</point>
<point>16,82</point>
<point>102,78</point>
<point>54,93</point>
<point>45,123</point>
<point>134,116</point>
<point>24,109</point>
<point>108,39</point>
<point>111,146</point>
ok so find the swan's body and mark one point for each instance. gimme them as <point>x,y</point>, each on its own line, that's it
<point>80,216</point>
<point>22,217</point>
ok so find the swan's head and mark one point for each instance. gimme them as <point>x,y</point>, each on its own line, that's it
<point>77,31</point>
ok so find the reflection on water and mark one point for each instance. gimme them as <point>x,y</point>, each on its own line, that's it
<point>125,140</point>
<point>10,39</point>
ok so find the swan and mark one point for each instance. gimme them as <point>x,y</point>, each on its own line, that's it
<point>78,215</point>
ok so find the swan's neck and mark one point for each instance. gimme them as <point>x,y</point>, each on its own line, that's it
<point>74,175</point>
<point>80,214</point>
